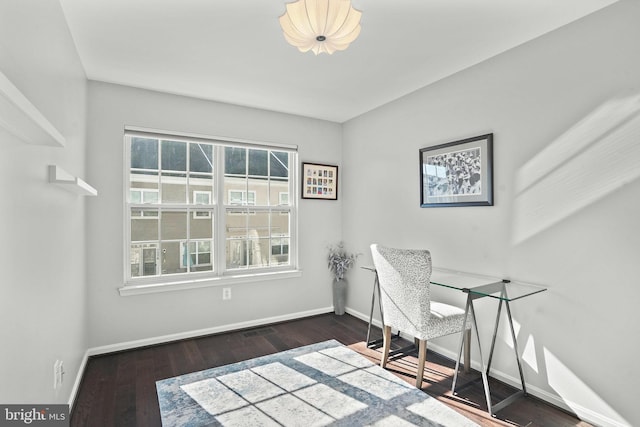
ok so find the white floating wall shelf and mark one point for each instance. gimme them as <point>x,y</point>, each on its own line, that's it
<point>69,182</point>
<point>21,119</point>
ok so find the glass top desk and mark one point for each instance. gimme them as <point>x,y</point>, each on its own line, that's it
<point>476,287</point>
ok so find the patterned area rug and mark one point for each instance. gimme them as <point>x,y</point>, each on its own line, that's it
<point>317,385</point>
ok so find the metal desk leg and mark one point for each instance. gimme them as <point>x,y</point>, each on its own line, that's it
<point>515,348</point>
<point>510,399</point>
<point>485,380</point>
<point>373,301</point>
<point>495,334</point>
<point>462,339</point>
<point>492,408</point>
<point>376,290</point>
<point>485,373</point>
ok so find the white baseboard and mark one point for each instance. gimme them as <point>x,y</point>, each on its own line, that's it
<point>128,345</point>
<point>76,383</point>
<point>583,413</point>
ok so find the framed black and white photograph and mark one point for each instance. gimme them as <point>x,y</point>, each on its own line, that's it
<point>319,181</point>
<point>458,173</point>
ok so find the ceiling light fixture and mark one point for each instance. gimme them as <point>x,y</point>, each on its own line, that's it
<point>320,25</point>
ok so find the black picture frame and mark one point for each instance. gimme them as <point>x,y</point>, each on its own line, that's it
<point>319,181</point>
<point>458,173</point>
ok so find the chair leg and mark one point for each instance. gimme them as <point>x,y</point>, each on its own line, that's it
<point>422,357</point>
<point>386,345</point>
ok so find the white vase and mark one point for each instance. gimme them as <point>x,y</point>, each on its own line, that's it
<point>339,295</point>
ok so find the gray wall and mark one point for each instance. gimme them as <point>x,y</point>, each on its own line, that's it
<point>565,113</point>
<point>42,227</point>
<point>116,319</point>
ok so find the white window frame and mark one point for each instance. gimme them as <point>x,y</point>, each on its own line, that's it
<point>217,209</point>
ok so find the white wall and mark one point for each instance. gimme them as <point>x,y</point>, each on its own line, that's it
<point>565,114</point>
<point>116,319</point>
<point>42,227</point>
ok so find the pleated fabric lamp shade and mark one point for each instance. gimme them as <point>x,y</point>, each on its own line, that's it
<point>320,25</point>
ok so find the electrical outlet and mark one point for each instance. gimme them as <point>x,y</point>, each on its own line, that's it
<point>226,294</point>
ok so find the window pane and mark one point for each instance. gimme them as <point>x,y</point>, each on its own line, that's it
<point>202,198</point>
<point>201,256</point>
<point>278,192</point>
<point>201,157</point>
<point>150,196</point>
<point>174,156</point>
<point>143,259</point>
<point>171,258</point>
<point>236,236</point>
<point>204,247</point>
<point>247,253</point>
<point>135,196</point>
<point>174,188</point>
<point>235,190</point>
<point>279,164</point>
<point>201,225</point>
<point>141,184</point>
<point>173,226</point>
<point>259,224</point>
<point>280,251</point>
<point>258,191</point>
<point>236,253</point>
<point>144,226</point>
<point>204,258</point>
<point>258,162</point>
<point>197,257</point>
<point>144,153</point>
<point>235,161</point>
<point>258,253</point>
<point>280,238</point>
<point>201,194</point>
<point>280,224</point>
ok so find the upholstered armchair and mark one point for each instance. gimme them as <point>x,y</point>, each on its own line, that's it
<point>404,279</point>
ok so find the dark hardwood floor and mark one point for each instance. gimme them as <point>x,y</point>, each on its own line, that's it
<point>118,389</point>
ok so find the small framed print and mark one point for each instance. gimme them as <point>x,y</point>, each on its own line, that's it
<point>458,173</point>
<point>319,181</point>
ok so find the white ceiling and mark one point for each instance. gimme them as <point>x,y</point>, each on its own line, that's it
<point>234,51</point>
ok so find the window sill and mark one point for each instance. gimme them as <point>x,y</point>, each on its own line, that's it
<point>150,288</point>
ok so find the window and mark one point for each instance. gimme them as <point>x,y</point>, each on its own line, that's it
<point>199,208</point>
<point>202,198</point>
<point>241,197</point>
<point>198,256</point>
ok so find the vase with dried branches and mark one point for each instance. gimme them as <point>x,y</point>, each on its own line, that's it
<point>339,262</point>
